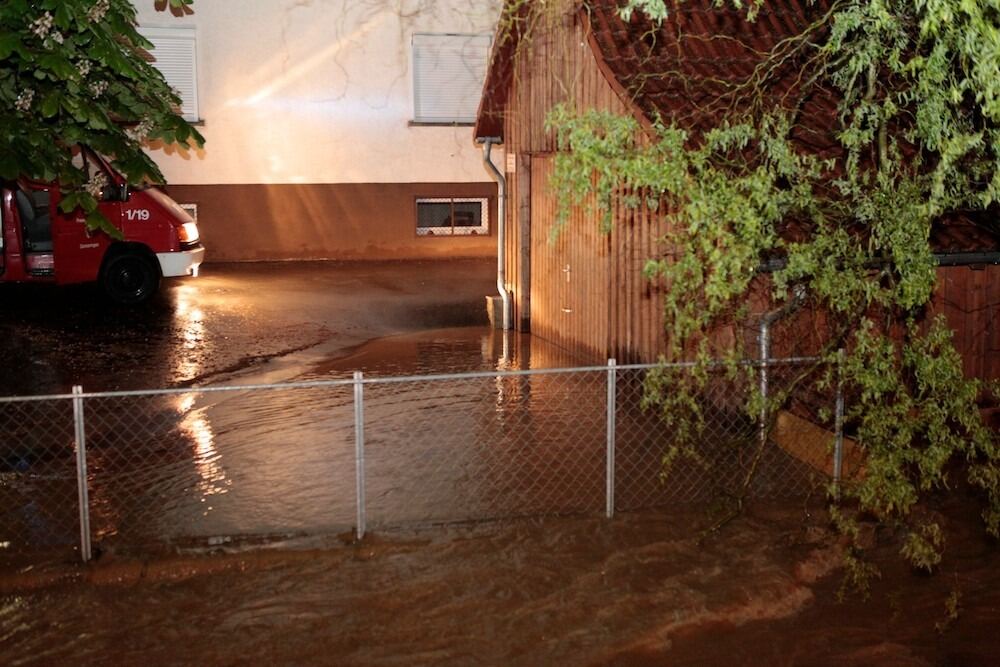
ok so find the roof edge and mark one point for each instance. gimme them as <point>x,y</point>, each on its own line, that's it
<point>500,71</point>
<point>584,14</point>
<point>509,34</point>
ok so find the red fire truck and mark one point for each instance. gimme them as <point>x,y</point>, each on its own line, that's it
<point>40,243</point>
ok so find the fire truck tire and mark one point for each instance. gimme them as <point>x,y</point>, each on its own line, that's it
<point>130,278</point>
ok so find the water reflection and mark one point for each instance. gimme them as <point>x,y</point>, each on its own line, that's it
<point>189,321</point>
<point>259,463</point>
<point>504,362</point>
<point>208,461</point>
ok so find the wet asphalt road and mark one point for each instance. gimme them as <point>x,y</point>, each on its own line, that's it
<point>233,319</point>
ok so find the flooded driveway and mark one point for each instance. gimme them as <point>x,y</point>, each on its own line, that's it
<point>260,464</point>
<point>232,318</point>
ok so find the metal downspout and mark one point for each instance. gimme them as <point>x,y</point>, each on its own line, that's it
<point>501,229</point>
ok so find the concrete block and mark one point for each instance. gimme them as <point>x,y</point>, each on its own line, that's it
<point>494,308</point>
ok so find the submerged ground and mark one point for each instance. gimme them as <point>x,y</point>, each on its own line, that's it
<point>641,589</point>
<point>638,590</point>
<point>234,318</point>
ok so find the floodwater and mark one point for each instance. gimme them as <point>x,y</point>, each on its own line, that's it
<point>270,319</point>
<point>639,590</point>
<point>277,469</point>
<point>257,464</point>
<point>168,467</point>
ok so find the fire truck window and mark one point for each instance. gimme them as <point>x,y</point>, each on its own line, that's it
<point>94,169</point>
<point>33,208</point>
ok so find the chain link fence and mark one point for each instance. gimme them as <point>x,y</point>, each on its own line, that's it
<point>734,453</point>
<point>39,507</point>
<point>135,471</point>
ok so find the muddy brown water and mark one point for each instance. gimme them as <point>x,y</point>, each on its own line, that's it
<point>572,591</point>
<point>642,589</point>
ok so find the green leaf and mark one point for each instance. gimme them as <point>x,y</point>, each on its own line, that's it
<point>50,105</point>
<point>96,221</point>
<point>9,166</point>
<point>9,41</point>
<point>57,64</point>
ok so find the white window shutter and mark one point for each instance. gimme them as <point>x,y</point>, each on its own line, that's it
<point>448,74</point>
<point>174,55</point>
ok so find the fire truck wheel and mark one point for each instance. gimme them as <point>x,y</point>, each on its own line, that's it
<point>130,278</point>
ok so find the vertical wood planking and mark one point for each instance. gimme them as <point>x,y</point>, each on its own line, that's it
<point>611,310</point>
<point>970,301</point>
<point>523,263</point>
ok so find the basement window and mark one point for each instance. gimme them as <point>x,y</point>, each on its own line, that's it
<point>192,210</point>
<point>453,216</point>
<point>448,75</point>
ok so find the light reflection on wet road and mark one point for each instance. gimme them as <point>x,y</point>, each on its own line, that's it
<point>232,318</point>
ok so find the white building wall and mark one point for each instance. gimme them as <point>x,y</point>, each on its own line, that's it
<point>317,91</point>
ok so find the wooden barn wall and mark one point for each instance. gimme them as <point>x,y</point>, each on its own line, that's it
<point>636,307</point>
<point>606,308</point>
<point>555,65</point>
<point>569,274</point>
<point>970,300</point>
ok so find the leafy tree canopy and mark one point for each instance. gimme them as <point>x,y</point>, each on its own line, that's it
<point>916,139</point>
<point>76,72</point>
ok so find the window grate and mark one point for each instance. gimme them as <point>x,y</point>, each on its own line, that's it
<point>453,216</point>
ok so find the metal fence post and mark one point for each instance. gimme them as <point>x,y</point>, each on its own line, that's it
<point>359,448</point>
<point>80,439</point>
<point>765,355</point>
<point>838,438</point>
<point>612,404</point>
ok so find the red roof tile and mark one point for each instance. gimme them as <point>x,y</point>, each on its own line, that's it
<point>705,63</point>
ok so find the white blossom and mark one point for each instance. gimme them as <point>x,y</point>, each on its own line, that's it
<point>83,67</point>
<point>23,102</point>
<point>98,88</point>
<point>96,185</point>
<point>42,25</point>
<point>140,131</point>
<point>55,37</point>
<point>97,12</point>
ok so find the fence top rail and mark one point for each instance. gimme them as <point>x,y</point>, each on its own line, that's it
<point>433,377</point>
